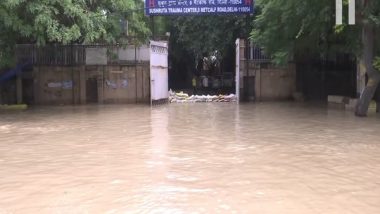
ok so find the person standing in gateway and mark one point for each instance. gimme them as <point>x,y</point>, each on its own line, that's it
<point>194,84</point>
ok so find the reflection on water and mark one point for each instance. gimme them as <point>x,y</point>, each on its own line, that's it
<point>192,158</point>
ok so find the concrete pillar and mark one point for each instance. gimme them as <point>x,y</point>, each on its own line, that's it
<point>19,88</point>
<point>258,84</point>
<point>82,85</point>
<point>101,86</point>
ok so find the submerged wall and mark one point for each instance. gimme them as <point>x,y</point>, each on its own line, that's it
<point>275,83</point>
<point>63,85</point>
<point>260,80</point>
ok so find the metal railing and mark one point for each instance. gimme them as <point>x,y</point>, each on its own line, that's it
<point>69,55</point>
<point>255,53</point>
<point>51,54</point>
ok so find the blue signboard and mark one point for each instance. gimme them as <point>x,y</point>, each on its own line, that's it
<point>198,7</point>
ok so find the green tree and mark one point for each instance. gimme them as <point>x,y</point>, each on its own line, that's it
<point>205,34</point>
<point>297,28</point>
<point>66,21</point>
<point>193,37</point>
<point>370,22</point>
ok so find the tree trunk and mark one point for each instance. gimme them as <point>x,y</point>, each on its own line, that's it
<point>373,76</point>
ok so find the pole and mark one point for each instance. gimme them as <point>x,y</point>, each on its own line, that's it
<point>153,27</point>
<point>246,53</point>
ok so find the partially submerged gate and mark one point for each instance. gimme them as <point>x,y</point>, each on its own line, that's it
<point>159,89</point>
<point>159,50</point>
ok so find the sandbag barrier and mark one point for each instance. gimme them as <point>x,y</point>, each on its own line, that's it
<point>185,98</point>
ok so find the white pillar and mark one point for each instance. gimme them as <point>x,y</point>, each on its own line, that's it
<point>351,12</point>
<point>339,12</point>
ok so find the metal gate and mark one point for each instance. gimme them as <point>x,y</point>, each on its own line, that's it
<point>237,71</point>
<point>159,89</point>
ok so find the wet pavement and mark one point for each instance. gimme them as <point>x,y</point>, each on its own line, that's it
<point>189,158</point>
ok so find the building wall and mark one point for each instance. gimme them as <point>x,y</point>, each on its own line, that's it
<point>49,86</point>
<point>64,85</point>
<point>126,84</point>
<point>8,92</point>
<point>260,80</point>
<point>275,83</point>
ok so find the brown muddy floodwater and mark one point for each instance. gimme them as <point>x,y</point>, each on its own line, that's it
<point>189,158</point>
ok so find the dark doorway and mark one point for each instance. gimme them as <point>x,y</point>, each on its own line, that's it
<point>319,78</point>
<point>92,90</point>
<point>27,91</point>
<point>249,91</point>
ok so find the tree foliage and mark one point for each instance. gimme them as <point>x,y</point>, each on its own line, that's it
<point>288,28</point>
<point>195,37</point>
<point>376,63</point>
<point>295,28</point>
<point>205,34</point>
<point>67,21</point>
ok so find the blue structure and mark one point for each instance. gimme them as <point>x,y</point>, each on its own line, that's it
<point>198,7</point>
<point>7,75</point>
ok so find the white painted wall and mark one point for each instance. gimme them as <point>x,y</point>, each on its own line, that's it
<point>129,53</point>
<point>159,70</point>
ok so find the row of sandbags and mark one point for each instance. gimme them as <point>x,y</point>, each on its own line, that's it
<point>185,98</point>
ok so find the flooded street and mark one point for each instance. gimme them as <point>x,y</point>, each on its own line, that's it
<point>189,158</point>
